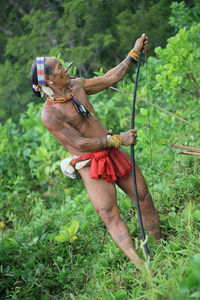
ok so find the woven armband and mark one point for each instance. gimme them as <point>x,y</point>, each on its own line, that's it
<point>133,56</point>
<point>114,141</point>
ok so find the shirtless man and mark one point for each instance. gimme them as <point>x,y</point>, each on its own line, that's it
<point>82,133</point>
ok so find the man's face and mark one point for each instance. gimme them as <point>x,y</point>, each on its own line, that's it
<point>60,76</point>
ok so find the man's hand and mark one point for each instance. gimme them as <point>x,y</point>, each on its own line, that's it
<point>129,137</point>
<point>141,44</point>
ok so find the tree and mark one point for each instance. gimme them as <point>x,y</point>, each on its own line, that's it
<point>91,40</point>
<point>184,16</point>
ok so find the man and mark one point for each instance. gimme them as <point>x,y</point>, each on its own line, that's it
<point>69,116</point>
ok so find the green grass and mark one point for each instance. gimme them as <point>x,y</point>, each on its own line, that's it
<point>36,266</point>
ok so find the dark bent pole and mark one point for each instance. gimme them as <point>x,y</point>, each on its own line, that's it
<point>133,163</point>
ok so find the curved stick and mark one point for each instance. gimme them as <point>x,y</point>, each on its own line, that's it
<point>133,163</point>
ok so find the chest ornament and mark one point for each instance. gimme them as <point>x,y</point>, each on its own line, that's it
<point>70,97</point>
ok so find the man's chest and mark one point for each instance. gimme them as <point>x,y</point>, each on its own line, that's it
<point>72,110</point>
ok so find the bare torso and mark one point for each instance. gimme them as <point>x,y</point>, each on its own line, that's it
<point>87,127</point>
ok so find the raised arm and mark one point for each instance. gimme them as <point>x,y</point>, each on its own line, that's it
<point>99,83</point>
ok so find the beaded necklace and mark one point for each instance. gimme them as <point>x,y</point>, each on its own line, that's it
<point>70,96</point>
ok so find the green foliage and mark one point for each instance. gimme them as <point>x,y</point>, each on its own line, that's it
<point>30,165</point>
<point>52,243</point>
<point>85,32</point>
<point>147,18</point>
<point>184,16</point>
<point>189,286</point>
<point>178,75</point>
<point>68,233</point>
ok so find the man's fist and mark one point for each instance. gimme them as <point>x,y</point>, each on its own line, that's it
<point>129,138</point>
<point>141,44</point>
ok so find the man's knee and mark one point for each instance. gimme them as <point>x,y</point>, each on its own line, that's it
<point>109,214</point>
<point>145,200</point>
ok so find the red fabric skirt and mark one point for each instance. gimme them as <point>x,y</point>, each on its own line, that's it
<point>109,164</point>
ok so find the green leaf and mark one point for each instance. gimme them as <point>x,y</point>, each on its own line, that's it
<point>196,259</point>
<point>143,111</point>
<point>121,295</point>
<point>195,295</point>
<point>64,228</point>
<point>61,238</point>
<point>192,281</point>
<point>196,215</point>
<point>74,227</point>
<point>73,239</point>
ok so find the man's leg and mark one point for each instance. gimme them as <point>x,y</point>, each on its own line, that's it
<point>103,197</point>
<point>149,214</point>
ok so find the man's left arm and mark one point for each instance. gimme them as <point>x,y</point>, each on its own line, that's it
<point>99,83</point>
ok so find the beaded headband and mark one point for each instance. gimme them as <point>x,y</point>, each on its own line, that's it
<point>40,71</point>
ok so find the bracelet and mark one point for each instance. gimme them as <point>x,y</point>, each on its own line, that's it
<point>114,141</point>
<point>132,60</point>
<point>132,54</point>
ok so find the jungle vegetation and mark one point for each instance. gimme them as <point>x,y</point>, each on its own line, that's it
<point>52,243</point>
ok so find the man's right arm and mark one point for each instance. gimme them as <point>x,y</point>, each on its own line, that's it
<point>67,135</point>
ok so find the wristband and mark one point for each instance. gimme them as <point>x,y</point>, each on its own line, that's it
<point>132,60</point>
<point>133,56</point>
<point>114,141</point>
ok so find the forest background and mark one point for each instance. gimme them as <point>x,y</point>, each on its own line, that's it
<point>52,243</point>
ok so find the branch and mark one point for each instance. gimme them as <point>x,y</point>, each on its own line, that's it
<point>185,148</point>
<point>195,151</point>
<point>155,105</point>
<point>190,153</point>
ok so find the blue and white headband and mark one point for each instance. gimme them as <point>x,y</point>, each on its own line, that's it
<point>40,71</point>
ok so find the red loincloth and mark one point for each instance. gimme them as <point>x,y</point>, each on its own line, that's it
<point>109,164</point>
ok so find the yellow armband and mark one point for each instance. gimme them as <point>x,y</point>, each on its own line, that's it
<point>133,55</point>
<point>114,141</point>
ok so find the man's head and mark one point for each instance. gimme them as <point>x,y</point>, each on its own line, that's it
<point>55,75</point>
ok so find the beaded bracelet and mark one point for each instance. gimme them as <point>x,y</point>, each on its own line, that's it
<point>133,56</point>
<point>114,141</point>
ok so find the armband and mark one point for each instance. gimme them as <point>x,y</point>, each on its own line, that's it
<point>114,141</point>
<point>133,56</point>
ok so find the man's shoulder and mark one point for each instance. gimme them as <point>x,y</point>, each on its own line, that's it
<point>51,116</point>
<point>78,82</point>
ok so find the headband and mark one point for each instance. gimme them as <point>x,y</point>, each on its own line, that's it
<point>40,71</point>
